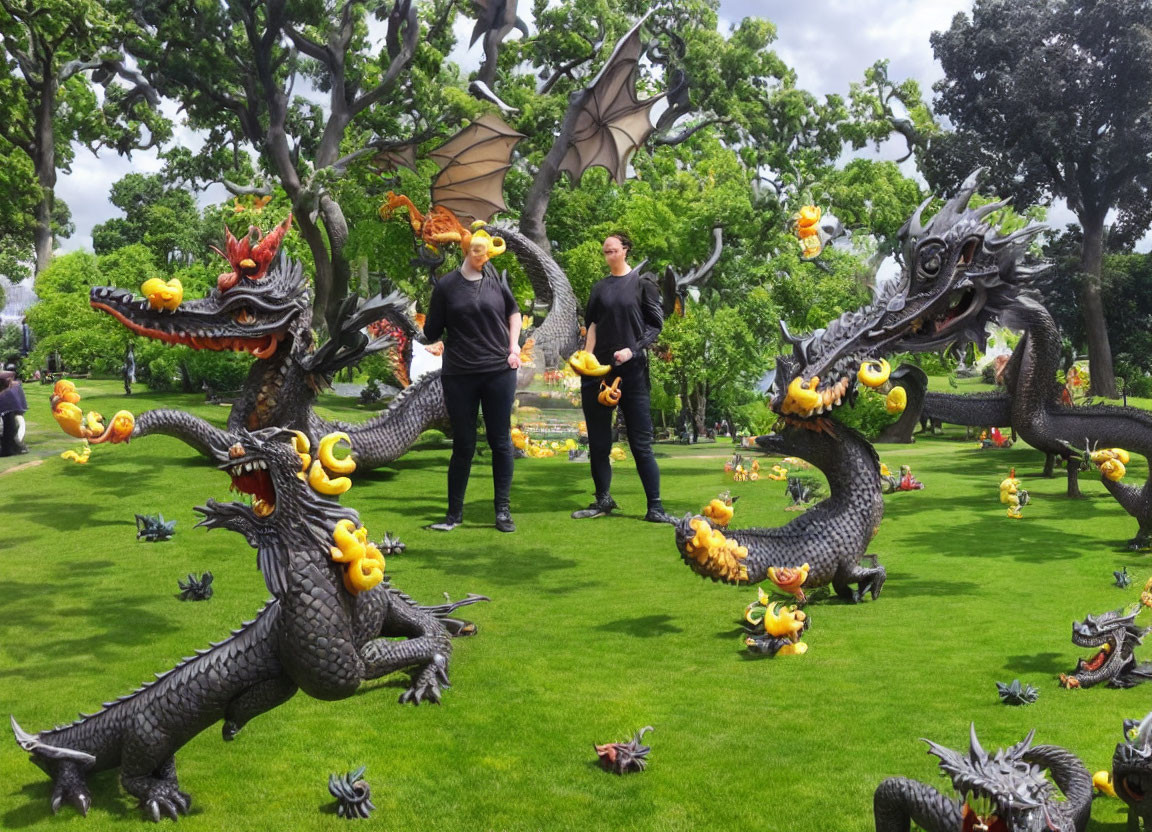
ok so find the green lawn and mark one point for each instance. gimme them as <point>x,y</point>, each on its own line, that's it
<point>595,629</point>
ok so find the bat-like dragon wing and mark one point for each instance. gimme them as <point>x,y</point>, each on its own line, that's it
<point>473,164</point>
<point>612,123</point>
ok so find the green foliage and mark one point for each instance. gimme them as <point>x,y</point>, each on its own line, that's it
<point>11,340</point>
<point>55,53</point>
<point>874,118</point>
<point>165,220</point>
<point>868,415</point>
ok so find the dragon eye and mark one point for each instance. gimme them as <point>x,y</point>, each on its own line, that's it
<point>930,260</point>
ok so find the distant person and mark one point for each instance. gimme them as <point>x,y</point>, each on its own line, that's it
<point>475,311</point>
<point>13,405</point>
<point>129,370</point>
<point>624,317</point>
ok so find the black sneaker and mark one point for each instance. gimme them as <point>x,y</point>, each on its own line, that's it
<point>504,520</point>
<point>603,505</point>
<point>657,514</point>
<point>447,524</point>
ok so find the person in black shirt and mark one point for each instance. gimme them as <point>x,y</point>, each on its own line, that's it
<point>481,355</point>
<point>624,317</point>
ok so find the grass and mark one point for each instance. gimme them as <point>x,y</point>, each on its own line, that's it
<point>595,629</point>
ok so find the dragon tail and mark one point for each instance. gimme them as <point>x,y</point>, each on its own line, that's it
<point>33,745</point>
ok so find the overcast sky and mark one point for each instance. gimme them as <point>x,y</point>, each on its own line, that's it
<point>829,43</point>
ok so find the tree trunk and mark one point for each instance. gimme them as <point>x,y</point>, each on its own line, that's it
<point>43,153</point>
<point>42,230</point>
<point>699,407</point>
<point>1100,372</point>
<point>540,193</point>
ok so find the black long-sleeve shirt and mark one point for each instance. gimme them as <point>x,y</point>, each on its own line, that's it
<point>627,312</point>
<point>475,313</point>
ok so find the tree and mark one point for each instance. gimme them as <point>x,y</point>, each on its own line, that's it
<point>1055,96</point>
<point>18,196</point>
<point>164,219</point>
<point>234,65</point>
<point>736,88</point>
<point>53,51</point>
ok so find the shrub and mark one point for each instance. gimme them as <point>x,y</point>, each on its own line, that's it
<point>869,416</point>
<point>371,392</point>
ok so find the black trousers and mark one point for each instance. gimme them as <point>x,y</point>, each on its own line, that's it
<point>464,396</point>
<point>636,404</point>
<point>9,446</point>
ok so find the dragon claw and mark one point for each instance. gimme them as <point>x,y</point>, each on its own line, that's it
<point>165,801</point>
<point>76,795</point>
<point>429,683</point>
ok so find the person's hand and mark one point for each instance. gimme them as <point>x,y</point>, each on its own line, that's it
<point>514,359</point>
<point>622,355</point>
<point>436,349</point>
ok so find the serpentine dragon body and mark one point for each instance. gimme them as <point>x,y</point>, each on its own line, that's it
<point>957,272</point>
<point>1002,792</point>
<point>325,631</point>
<point>266,312</point>
<point>1034,408</point>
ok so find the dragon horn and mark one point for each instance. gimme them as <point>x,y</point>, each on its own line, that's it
<point>1144,733</point>
<point>914,227</point>
<point>976,751</point>
<point>1024,744</point>
<point>786,335</point>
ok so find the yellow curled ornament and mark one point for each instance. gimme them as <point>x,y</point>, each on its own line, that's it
<point>320,482</point>
<point>609,394</point>
<point>324,454</point>
<point>896,400</point>
<point>874,373</point>
<point>163,295</point>
<point>586,364</point>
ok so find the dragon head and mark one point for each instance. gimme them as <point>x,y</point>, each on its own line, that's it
<point>1132,765</point>
<point>1116,634</point>
<point>286,511</point>
<point>958,274</point>
<point>1000,792</point>
<point>254,308</point>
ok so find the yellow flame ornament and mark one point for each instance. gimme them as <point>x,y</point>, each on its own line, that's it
<point>161,295</point>
<point>363,562</point>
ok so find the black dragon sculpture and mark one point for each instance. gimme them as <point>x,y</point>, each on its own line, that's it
<point>262,307</point>
<point>1006,791</point>
<point>1132,772</point>
<point>1116,635</point>
<point>958,272</point>
<point>328,628</point>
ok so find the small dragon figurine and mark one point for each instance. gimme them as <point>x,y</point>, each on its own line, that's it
<point>1117,635</point>
<point>1005,791</point>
